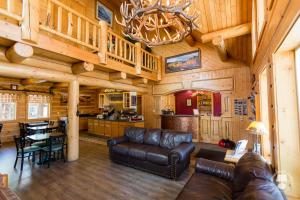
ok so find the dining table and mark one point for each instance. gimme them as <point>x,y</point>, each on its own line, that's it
<point>44,128</point>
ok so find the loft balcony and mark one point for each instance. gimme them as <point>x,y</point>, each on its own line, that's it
<point>52,28</point>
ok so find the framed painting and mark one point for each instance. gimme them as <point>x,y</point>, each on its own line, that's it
<point>183,62</point>
<point>104,13</point>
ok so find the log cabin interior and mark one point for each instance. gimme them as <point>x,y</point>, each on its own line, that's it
<point>149,99</point>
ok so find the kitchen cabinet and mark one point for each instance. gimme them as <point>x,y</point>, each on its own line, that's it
<point>110,128</point>
<point>83,123</point>
<point>103,100</point>
<point>107,129</point>
<point>130,100</point>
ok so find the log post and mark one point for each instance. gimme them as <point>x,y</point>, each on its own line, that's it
<point>82,67</point>
<point>30,23</point>
<point>18,52</point>
<point>113,76</point>
<point>73,121</point>
<point>138,57</point>
<point>159,67</point>
<point>103,42</point>
<point>138,81</point>
<point>219,44</point>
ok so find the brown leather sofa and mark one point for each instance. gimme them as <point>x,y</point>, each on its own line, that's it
<point>250,179</point>
<point>162,152</point>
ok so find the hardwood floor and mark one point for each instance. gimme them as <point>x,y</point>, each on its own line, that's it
<point>93,176</point>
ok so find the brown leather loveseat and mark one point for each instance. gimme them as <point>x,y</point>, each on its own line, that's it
<point>250,179</point>
<point>162,152</point>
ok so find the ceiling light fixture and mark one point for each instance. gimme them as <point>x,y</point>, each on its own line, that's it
<point>157,22</point>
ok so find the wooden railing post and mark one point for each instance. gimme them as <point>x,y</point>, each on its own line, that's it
<point>30,23</point>
<point>138,57</point>
<point>103,42</point>
<point>159,67</point>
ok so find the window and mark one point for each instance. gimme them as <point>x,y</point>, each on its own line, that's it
<point>297,55</point>
<point>38,106</point>
<point>7,107</point>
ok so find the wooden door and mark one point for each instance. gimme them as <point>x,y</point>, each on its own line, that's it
<point>205,128</point>
<point>227,128</point>
<point>226,99</point>
<point>216,129</point>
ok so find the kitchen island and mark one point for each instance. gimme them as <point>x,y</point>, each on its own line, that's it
<point>110,128</point>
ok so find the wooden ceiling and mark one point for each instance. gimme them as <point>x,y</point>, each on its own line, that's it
<point>217,15</point>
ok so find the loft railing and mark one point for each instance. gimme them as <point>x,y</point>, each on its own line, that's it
<point>121,49</point>
<point>149,61</point>
<point>71,25</point>
<point>6,9</point>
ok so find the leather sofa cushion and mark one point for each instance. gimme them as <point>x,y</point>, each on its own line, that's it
<point>206,187</point>
<point>137,151</point>
<point>249,167</point>
<point>152,137</point>
<point>259,189</point>
<point>121,148</point>
<point>158,155</point>
<point>135,134</point>
<point>171,139</point>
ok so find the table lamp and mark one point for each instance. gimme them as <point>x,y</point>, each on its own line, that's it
<point>257,128</point>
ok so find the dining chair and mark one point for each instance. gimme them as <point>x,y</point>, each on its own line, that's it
<point>55,145</point>
<point>24,151</point>
<point>1,126</point>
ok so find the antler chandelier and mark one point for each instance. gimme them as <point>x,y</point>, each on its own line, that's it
<point>157,22</point>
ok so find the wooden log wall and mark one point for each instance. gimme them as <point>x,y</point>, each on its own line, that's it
<point>231,77</point>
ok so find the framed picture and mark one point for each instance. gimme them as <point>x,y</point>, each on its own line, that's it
<point>189,102</point>
<point>103,13</point>
<point>183,62</point>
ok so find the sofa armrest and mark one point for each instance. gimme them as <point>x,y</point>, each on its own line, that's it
<point>118,140</point>
<point>182,151</point>
<point>218,169</point>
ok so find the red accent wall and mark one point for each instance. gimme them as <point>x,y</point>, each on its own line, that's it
<point>217,104</point>
<point>180,102</point>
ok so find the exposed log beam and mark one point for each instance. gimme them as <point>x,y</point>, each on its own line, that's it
<point>190,40</point>
<point>117,76</point>
<point>139,81</point>
<point>23,71</point>
<point>18,52</point>
<point>219,44</point>
<point>226,33</point>
<point>12,32</point>
<point>60,85</point>
<point>32,81</point>
<point>81,67</point>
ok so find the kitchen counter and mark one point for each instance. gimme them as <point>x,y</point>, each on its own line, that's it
<point>115,120</point>
<point>180,115</point>
<point>110,128</point>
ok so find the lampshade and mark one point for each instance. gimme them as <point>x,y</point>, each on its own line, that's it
<point>257,127</point>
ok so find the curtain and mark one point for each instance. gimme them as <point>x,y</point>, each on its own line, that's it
<point>39,98</point>
<point>8,97</point>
